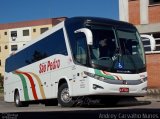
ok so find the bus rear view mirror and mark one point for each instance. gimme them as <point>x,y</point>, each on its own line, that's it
<point>87,33</point>
<point>151,39</point>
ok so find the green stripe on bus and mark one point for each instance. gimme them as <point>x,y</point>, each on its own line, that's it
<point>25,88</point>
<point>99,73</point>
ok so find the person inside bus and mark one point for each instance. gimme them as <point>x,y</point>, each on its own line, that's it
<point>104,48</point>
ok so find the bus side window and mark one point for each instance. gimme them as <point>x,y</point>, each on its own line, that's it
<point>81,49</point>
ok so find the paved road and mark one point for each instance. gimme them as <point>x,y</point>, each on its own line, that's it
<point>136,108</point>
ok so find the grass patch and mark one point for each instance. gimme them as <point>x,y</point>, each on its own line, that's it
<point>1,89</point>
<point>1,92</point>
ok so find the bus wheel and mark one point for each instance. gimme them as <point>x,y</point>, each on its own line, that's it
<point>64,98</point>
<point>18,102</point>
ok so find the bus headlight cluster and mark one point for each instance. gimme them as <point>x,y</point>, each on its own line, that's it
<point>94,76</point>
<point>144,79</point>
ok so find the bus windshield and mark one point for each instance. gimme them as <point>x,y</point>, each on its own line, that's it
<point>117,49</point>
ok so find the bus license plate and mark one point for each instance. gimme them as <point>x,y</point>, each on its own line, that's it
<point>124,90</point>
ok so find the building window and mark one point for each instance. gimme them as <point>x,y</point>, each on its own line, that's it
<point>5,47</point>
<point>34,30</point>
<point>0,48</point>
<point>146,44</point>
<point>44,30</point>
<point>26,32</point>
<point>0,63</point>
<point>157,44</point>
<point>13,33</point>
<point>14,47</point>
<point>151,2</point>
<point>5,33</point>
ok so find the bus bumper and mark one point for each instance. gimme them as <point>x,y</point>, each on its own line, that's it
<point>100,88</point>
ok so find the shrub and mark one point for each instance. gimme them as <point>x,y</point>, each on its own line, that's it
<point>1,80</point>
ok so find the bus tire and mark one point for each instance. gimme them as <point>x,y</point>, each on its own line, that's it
<point>18,102</point>
<point>63,96</point>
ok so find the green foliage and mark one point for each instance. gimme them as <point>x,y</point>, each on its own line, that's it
<point>1,91</point>
<point>1,80</point>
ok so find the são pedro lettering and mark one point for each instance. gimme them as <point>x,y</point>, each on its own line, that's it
<point>49,66</point>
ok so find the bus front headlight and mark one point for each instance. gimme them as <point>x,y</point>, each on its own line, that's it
<point>94,76</point>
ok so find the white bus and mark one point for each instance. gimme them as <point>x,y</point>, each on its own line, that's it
<point>81,56</point>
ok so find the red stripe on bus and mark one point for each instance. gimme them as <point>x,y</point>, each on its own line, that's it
<point>31,82</point>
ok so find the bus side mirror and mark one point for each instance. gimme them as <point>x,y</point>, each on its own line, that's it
<point>87,33</point>
<point>152,41</point>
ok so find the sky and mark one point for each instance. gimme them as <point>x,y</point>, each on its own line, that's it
<point>25,10</point>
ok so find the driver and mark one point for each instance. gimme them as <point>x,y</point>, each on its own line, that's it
<point>104,48</point>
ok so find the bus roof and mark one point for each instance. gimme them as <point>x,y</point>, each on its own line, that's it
<point>99,20</point>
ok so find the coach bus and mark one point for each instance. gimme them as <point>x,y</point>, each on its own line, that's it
<point>79,57</point>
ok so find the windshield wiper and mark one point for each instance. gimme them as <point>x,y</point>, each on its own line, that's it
<point>116,54</point>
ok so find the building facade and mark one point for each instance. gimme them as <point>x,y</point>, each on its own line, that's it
<point>15,35</point>
<point>145,14</point>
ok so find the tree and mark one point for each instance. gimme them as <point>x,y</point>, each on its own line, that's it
<point>1,80</point>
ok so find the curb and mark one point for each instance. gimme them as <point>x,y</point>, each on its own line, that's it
<point>154,93</point>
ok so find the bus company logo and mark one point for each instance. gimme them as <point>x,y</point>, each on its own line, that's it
<point>49,66</point>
